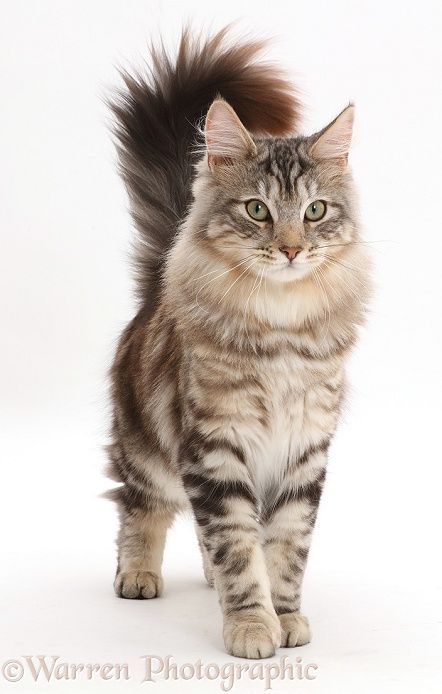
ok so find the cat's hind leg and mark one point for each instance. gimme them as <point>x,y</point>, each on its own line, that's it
<point>141,543</point>
<point>147,503</point>
<point>207,561</point>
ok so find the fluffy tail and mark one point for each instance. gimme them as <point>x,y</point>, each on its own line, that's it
<point>156,120</point>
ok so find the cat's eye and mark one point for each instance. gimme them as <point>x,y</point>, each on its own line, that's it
<point>315,211</point>
<point>257,210</point>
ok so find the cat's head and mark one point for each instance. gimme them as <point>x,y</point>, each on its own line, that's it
<point>282,207</point>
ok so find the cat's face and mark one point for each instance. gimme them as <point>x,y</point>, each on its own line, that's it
<point>280,207</point>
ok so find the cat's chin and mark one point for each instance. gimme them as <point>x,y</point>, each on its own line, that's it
<point>289,272</point>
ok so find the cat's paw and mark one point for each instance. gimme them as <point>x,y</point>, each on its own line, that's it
<point>295,630</point>
<point>138,585</point>
<point>252,636</point>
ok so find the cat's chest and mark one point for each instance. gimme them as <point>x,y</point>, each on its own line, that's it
<point>297,417</point>
<point>277,435</point>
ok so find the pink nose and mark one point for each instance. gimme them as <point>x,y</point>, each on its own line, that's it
<point>290,251</point>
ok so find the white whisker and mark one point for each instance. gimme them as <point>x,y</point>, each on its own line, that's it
<point>327,304</point>
<point>238,278</point>
<point>226,271</point>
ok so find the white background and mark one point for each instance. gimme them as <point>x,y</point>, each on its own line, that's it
<point>373,585</point>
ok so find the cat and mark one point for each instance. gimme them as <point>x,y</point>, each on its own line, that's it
<point>253,280</point>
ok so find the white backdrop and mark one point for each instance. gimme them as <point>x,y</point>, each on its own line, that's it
<point>373,585</point>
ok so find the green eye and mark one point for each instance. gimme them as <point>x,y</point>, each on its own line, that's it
<point>315,211</point>
<point>257,210</point>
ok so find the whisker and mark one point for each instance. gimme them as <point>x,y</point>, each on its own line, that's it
<point>217,277</point>
<point>353,269</point>
<point>351,289</point>
<point>354,243</point>
<point>238,278</point>
<point>247,304</point>
<point>226,271</point>
<point>328,310</point>
<point>330,286</point>
<point>253,289</point>
<point>260,284</point>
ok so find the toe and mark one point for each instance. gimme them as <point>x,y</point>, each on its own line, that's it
<point>295,630</point>
<point>138,585</point>
<point>253,637</point>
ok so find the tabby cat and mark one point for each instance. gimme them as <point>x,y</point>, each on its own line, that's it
<point>227,384</point>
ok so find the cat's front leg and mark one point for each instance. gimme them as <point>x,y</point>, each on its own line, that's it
<point>224,504</point>
<point>288,520</point>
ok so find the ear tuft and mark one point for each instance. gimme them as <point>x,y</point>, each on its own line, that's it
<point>227,140</point>
<point>333,142</point>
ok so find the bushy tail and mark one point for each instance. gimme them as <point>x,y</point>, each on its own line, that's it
<point>156,119</point>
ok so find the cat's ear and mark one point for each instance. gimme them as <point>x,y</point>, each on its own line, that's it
<point>227,140</point>
<point>333,142</point>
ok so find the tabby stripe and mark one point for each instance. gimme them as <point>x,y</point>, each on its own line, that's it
<point>310,491</point>
<point>208,501</point>
<point>196,445</point>
<point>245,606</point>
<point>320,447</point>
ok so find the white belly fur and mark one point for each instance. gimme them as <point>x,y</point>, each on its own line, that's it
<point>298,422</point>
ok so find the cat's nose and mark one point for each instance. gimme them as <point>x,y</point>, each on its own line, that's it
<point>290,251</point>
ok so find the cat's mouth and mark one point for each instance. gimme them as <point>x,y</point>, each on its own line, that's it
<point>290,270</point>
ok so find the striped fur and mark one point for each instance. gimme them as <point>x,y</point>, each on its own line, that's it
<point>228,383</point>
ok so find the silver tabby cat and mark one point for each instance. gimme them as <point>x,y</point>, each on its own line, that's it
<point>227,385</point>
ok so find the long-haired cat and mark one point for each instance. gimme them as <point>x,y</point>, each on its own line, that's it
<point>228,382</point>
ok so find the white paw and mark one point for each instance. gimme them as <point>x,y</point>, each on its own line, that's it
<point>138,584</point>
<point>295,630</point>
<point>252,636</point>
